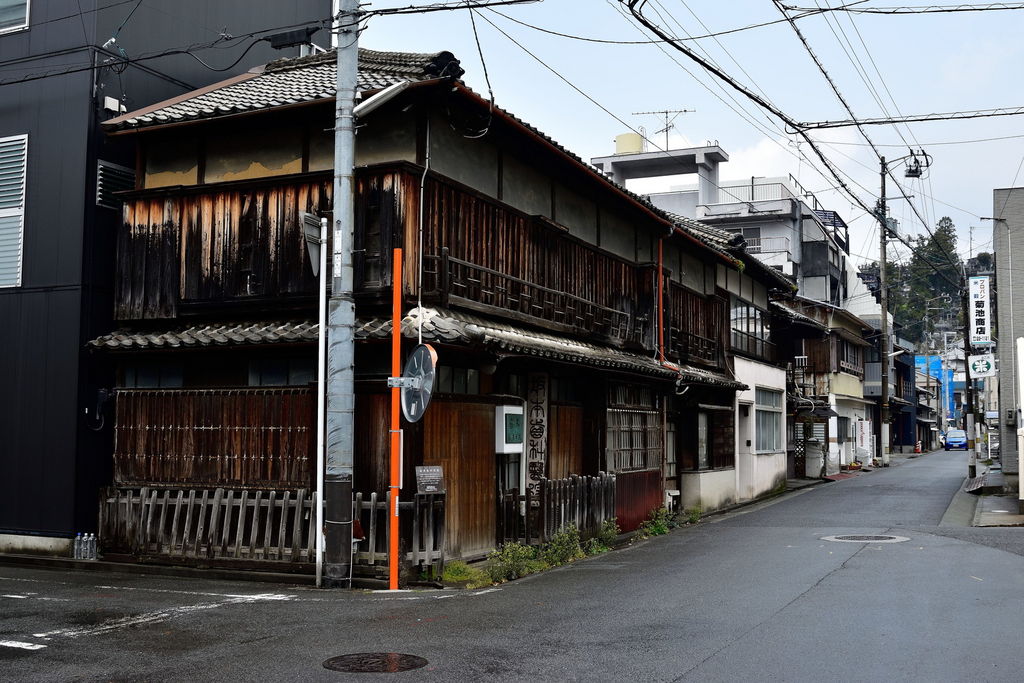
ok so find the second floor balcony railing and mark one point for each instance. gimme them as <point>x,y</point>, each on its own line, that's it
<point>749,345</point>
<point>768,245</point>
<point>457,281</point>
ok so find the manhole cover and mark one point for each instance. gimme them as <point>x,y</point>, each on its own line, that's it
<point>865,539</point>
<point>374,662</point>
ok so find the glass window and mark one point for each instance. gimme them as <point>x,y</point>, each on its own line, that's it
<point>768,420</point>
<point>13,159</point>
<point>13,15</point>
<point>281,372</point>
<point>153,375</point>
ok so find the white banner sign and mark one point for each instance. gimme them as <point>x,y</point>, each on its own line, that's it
<point>982,365</point>
<point>981,328</point>
<point>865,439</point>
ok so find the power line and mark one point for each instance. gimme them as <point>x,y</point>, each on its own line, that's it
<point>849,110</point>
<point>591,99</point>
<point>930,9</point>
<point>156,55</point>
<point>742,112</point>
<point>884,121</point>
<point>757,99</point>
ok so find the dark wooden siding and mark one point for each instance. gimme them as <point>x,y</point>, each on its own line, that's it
<point>696,326</point>
<point>459,436</point>
<point>214,247</point>
<point>565,441</point>
<point>372,455</point>
<point>262,438</point>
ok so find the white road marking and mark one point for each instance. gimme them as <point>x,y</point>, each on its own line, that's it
<point>17,597</point>
<point>484,592</point>
<point>154,617</point>
<point>20,645</point>
<point>977,579</point>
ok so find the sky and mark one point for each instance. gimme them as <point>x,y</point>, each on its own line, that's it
<point>884,65</point>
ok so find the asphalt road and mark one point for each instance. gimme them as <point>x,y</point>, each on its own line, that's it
<point>752,595</point>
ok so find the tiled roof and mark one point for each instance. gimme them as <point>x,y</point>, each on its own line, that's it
<point>289,81</point>
<point>449,326</point>
<point>304,79</point>
<point>439,326</point>
<point>796,316</point>
<point>228,334</point>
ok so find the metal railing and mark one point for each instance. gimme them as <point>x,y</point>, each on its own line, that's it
<point>767,245</point>
<point>750,345</point>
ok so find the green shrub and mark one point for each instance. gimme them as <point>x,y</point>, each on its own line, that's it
<point>658,523</point>
<point>693,514</point>
<point>512,561</point>
<point>563,548</point>
<point>460,573</point>
<point>609,532</point>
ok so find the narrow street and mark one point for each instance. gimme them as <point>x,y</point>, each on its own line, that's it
<point>751,595</point>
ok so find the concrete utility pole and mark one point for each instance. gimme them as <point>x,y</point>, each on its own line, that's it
<point>883,289</point>
<point>337,492</point>
<point>968,423</point>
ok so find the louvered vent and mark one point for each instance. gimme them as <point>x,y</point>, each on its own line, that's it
<point>110,179</point>
<point>13,151</point>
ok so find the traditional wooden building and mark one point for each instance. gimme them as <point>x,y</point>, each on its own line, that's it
<point>543,284</point>
<point>827,344</point>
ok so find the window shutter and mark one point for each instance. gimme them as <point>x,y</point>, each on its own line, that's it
<point>110,179</point>
<point>13,152</point>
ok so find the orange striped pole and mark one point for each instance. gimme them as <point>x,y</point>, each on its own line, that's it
<point>396,433</point>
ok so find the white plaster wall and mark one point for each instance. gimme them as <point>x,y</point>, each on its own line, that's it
<point>17,544</point>
<point>711,490</point>
<point>757,473</point>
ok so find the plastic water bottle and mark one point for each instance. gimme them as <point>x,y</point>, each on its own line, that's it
<point>90,547</point>
<point>78,546</point>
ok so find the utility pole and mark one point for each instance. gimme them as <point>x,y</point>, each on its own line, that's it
<point>968,423</point>
<point>883,289</point>
<point>337,493</point>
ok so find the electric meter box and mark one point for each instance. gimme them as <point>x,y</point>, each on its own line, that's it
<point>509,429</point>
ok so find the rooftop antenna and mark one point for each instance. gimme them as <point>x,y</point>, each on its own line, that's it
<point>669,122</point>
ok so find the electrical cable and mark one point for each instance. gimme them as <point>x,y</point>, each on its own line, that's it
<point>741,113</point>
<point>930,9</point>
<point>885,167</point>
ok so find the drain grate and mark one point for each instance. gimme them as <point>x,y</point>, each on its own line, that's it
<point>865,539</point>
<point>374,662</point>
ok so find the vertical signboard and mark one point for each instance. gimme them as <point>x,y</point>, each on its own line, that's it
<point>981,328</point>
<point>537,431</point>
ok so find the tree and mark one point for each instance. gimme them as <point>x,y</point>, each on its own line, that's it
<point>933,271</point>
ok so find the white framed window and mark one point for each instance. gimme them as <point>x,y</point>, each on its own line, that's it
<point>13,156</point>
<point>13,15</point>
<point>768,415</point>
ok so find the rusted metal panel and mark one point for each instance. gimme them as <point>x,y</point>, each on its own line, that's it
<point>207,437</point>
<point>565,441</point>
<point>636,494</point>
<point>459,436</point>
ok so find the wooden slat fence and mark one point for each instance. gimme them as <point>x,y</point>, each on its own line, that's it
<point>586,502</point>
<point>272,526</point>
<point>423,532</point>
<point>190,524</point>
<point>251,437</point>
